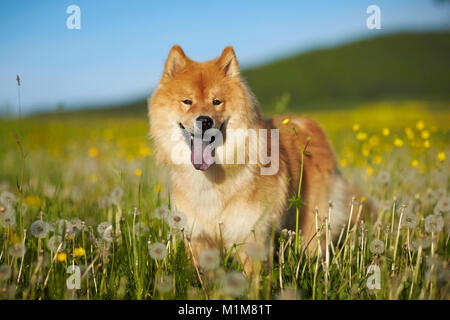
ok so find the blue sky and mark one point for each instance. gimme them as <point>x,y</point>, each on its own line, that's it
<point>119,52</point>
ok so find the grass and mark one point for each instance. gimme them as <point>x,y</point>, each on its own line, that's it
<point>89,170</point>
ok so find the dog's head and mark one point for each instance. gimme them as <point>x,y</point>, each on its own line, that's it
<point>194,103</point>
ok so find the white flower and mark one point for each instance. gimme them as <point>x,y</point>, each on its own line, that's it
<point>4,208</point>
<point>49,190</point>
<point>384,177</point>
<point>164,283</point>
<point>104,202</point>
<point>8,219</point>
<point>209,259</point>
<point>102,227</point>
<point>5,272</point>
<point>78,225</point>
<point>177,219</point>
<point>162,212</point>
<point>377,246</point>
<point>431,196</point>
<point>24,208</point>
<point>54,242</point>
<point>256,251</point>
<point>108,235</point>
<point>17,250</point>
<point>234,284</point>
<point>289,293</point>
<point>409,220</point>
<point>443,206</point>
<point>434,223</point>
<point>7,197</point>
<point>116,195</point>
<point>158,251</point>
<point>140,229</point>
<point>423,242</point>
<point>64,226</point>
<point>39,229</point>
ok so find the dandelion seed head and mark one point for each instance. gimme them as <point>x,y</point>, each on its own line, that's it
<point>7,197</point>
<point>442,206</point>
<point>434,223</point>
<point>377,246</point>
<point>384,177</point>
<point>78,225</point>
<point>64,226</point>
<point>164,283</point>
<point>158,251</point>
<point>162,212</point>
<point>140,229</point>
<point>234,284</point>
<point>289,293</point>
<point>209,259</point>
<point>102,227</point>
<point>116,195</point>
<point>8,219</point>
<point>177,219</point>
<point>424,242</point>
<point>5,272</point>
<point>17,250</point>
<point>54,242</point>
<point>409,220</point>
<point>108,235</point>
<point>39,229</point>
<point>256,251</point>
<point>104,202</point>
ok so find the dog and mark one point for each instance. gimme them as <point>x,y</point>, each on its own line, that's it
<point>235,203</point>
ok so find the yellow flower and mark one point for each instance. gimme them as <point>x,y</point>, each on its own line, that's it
<point>93,152</point>
<point>93,177</point>
<point>385,132</point>
<point>158,188</point>
<point>369,171</point>
<point>409,133</point>
<point>441,156</point>
<point>398,142</point>
<point>138,172</point>
<point>145,151</point>
<point>361,136</point>
<point>415,163</point>
<point>33,201</point>
<point>420,125</point>
<point>426,144</point>
<point>62,256</point>
<point>343,162</point>
<point>79,252</point>
<point>374,140</point>
<point>355,127</point>
<point>425,134</point>
<point>365,152</point>
<point>377,159</point>
<point>286,121</point>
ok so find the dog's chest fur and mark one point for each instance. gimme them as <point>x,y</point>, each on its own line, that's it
<point>232,208</point>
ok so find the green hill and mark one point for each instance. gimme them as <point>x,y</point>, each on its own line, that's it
<point>399,66</point>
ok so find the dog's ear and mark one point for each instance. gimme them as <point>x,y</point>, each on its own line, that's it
<point>175,62</point>
<point>228,62</point>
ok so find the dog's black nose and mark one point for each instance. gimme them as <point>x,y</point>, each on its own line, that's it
<point>205,122</point>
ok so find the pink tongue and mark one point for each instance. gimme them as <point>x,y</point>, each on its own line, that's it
<point>201,156</point>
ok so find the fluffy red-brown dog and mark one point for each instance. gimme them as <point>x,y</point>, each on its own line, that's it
<point>238,203</point>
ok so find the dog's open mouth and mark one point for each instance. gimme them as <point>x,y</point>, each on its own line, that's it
<point>202,151</point>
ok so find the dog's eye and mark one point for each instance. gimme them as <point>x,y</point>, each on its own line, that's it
<point>187,101</point>
<point>216,102</point>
